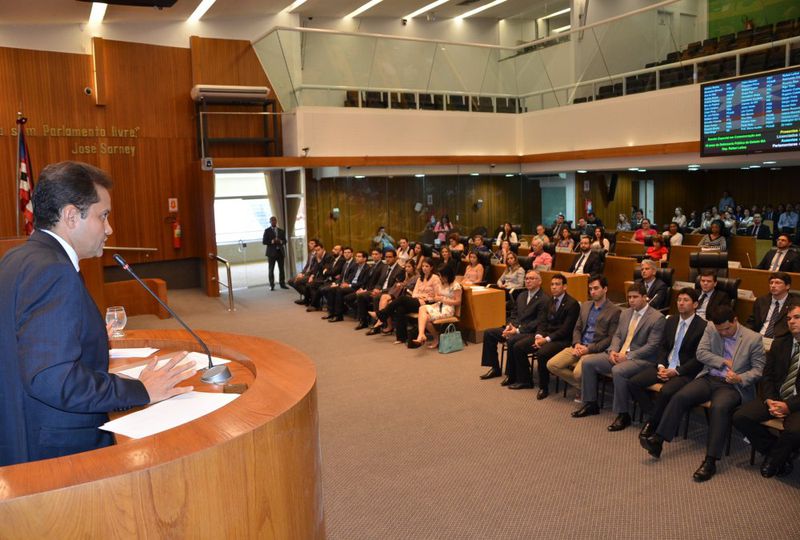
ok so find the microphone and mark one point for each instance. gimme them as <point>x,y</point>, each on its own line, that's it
<point>213,374</point>
<point>748,259</point>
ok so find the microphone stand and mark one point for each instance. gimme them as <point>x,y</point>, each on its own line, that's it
<point>213,374</point>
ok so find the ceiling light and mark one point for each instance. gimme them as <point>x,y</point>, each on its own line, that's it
<point>562,29</point>
<point>745,168</point>
<point>770,162</point>
<point>556,14</point>
<point>509,175</point>
<point>474,174</point>
<point>755,166</point>
<point>419,176</point>
<point>479,9</point>
<point>294,5</point>
<point>423,9</point>
<point>633,169</point>
<point>693,165</point>
<point>581,171</point>
<point>97,13</point>
<point>642,170</point>
<point>359,176</point>
<point>362,9</point>
<point>200,10</point>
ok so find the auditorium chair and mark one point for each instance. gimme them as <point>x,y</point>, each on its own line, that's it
<point>526,262</point>
<point>713,261</point>
<point>482,104</point>
<point>431,102</point>
<point>376,100</point>
<point>775,424</point>
<point>784,30</point>
<point>457,103</point>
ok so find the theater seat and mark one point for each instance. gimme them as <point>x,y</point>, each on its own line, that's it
<point>712,261</point>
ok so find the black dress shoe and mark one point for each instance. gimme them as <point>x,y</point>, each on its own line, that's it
<point>300,302</point>
<point>327,317</point>
<point>590,408</point>
<point>654,444</point>
<point>491,374</point>
<point>769,468</point>
<point>647,430</point>
<point>542,394</point>
<point>312,308</point>
<point>520,386</point>
<point>360,326</point>
<point>272,287</point>
<point>283,286</point>
<point>706,470</point>
<point>622,421</point>
<point>374,331</point>
<point>505,382</point>
<point>335,319</point>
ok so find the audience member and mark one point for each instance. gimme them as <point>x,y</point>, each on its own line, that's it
<point>726,202</point>
<point>781,258</point>
<point>658,251</point>
<point>446,259</point>
<point>593,221</point>
<point>384,274</point>
<point>787,220</point>
<point>404,285</point>
<point>299,281</point>
<point>474,272</point>
<point>382,239</point>
<point>769,311</point>
<point>507,233</point>
<point>709,297</point>
<point>644,231</point>
<point>328,271</point>
<point>424,291</point>
<point>673,235</point>
<point>345,273</point>
<point>583,228</point>
<point>600,242</point>
<point>715,239</point>
<point>442,229</point>
<point>758,229</point>
<point>623,224</point>
<point>455,245</point>
<point>404,251</point>
<point>746,219</point>
<point>565,241</point>
<point>352,281</point>
<point>447,298</point>
<point>657,291</point>
<point>501,254</point>
<point>540,259</point>
<point>540,235</point>
<point>559,225</point>
<point>587,261</point>
<point>679,218</point>
<point>514,276</point>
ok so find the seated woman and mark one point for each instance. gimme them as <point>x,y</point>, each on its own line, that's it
<point>417,257</point>
<point>715,240</point>
<point>514,275</point>
<point>540,234</point>
<point>473,274</point>
<point>405,286</point>
<point>729,222</point>
<point>502,252</point>
<point>398,309</point>
<point>442,229</point>
<point>448,297</point>
<point>622,223</point>
<point>565,243</point>
<point>644,232</point>
<point>455,245</point>
<point>658,251</point>
<point>507,234</point>
<point>446,259</point>
<point>747,219</point>
<point>600,242</point>
<point>679,217</point>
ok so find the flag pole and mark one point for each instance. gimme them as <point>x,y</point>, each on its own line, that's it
<point>16,170</point>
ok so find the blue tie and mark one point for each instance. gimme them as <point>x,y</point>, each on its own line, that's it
<point>674,359</point>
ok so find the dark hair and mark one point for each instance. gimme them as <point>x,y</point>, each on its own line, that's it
<point>559,277</point>
<point>320,244</point>
<point>722,314</point>
<point>376,250</point>
<point>691,293</point>
<point>62,184</point>
<point>447,273</point>
<point>787,237</point>
<point>709,272</point>
<point>363,253</point>
<point>393,252</point>
<point>637,287</point>
<point>599,277</point>
<point>429,262</point>
<point>346,248</point>
<point>455,237</point>
<point>315,240</point>
<point>783,276</point>
<point>402,238</point>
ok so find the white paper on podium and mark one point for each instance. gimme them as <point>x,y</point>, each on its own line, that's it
<point>168,414</point>
<point>200,361</point>
<point>142,352</point>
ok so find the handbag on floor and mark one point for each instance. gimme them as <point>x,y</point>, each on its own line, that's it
<point>450,340</point>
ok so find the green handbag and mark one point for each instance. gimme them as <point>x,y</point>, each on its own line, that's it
<point>450,340</point>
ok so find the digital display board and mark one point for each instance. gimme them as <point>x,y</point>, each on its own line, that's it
<point>751,115</point>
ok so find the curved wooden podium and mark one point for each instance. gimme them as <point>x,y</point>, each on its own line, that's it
<point>248,470</point>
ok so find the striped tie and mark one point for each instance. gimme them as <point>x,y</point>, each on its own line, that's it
<point>773,320</point>
<point>791,379</point>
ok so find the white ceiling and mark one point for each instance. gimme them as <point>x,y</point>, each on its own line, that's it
<point>73,11</point>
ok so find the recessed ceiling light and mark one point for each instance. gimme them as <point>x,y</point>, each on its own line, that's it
<point>633,169</point>
<point>97,13</point>
<point>294,5</point>
<point>419,176</point>
<point>556,14</point>
<point>424,9</point>
<point>479,9</point>
<point>693,165</point>
<point>474,174</point>
<point>359,176</point>
<point>770,162</point>
<point>200,10</point>
<point>509,175</point>
<point>581,171</point>
<point>745,168</point>
<point>362,9</point>
<point>755,166</point>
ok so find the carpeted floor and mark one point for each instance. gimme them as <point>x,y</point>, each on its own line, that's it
<point>414,445</point>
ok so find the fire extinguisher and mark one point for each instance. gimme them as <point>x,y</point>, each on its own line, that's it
<point>176,233</point>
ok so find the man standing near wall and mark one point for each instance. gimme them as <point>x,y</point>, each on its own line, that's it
<point>275,240</point>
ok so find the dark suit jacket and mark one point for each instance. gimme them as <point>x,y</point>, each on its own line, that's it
<point>687,355</point>
<point>395,274</point>
<point>56,389</point>
<point>763,231</point>
<point>790,262</point>
<point>525,315</point>
<point>363,277</point>
<point>775,370</point>
<point>604,327</point>
<point>718,298</point>
<point>375,272</point>
<point>274,249</point>
<point>760,312</point>
<point>658,294</point>
<point>347,275</point>
<point>593,264</point>
<point>558,325</point>
<point>557,230</point>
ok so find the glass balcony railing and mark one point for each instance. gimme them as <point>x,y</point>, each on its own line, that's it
<point>661,46</point>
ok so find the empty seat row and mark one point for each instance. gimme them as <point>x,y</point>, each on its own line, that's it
<point>433,102</point>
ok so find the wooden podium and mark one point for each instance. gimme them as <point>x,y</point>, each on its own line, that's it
<point>248,470</point>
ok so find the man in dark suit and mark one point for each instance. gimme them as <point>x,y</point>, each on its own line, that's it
<point>733,359</point>
<point>657,290</point>
<point>709,298</point>
<point>275,240</point>
<point>632,348</point>
<point>781,258</point>
<point>353,280</point>
<point>553,334</point>
<point>758,229</point>
<point>327,291</point>
<point>56,389</point>
<point>778,397</point>
<point>362,297</point>
<point>518,332</point>
<point>593,332</point>
<point>328,268</point>
<point>769,311</point>
<point>299,281</point>
<point>677,361</point>
<point>588,261</point>
<point>557,226</point>
<point>390,274</point>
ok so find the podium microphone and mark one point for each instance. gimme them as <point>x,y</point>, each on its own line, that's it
<point>214,374</point>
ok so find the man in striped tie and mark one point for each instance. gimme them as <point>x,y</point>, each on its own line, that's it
<point>779,397</point>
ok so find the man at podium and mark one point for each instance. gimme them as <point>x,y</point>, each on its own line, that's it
<point>55,388</point>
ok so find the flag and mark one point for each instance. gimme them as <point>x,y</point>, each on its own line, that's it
<point>25,177</point>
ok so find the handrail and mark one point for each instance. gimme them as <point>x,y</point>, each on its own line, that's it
<point>229,284</point>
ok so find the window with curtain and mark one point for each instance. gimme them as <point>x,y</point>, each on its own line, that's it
<point>242,207</point>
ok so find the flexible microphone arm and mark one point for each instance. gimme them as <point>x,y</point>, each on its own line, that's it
<point>213,374</point>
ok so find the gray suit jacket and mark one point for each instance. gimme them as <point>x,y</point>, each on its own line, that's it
<point>748,357</point>
<point>647,337</point>
<point>604,328</point>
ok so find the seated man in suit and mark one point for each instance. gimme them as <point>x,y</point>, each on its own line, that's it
<point>758,229</point>
<point>596,325</point>
<point>780,258</point>
<point>299,281</point>
<point>354,275</point>
<point>347,263</point>
<point>391,272</point>
<point>553,333</point>
<point>364,295</point>
<point>329,269</point>
<point>634,345</point>
<point>733,359</point>
<point>557,226</point>
<point>769,311</point>
<point>677,361</point>
<point>778,397</point>
<point>709,297</point>
<point>588,261</point>
<point>657,290</point>
<point>518,332</point>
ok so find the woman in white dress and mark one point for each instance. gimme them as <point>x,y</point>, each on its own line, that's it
<point>447,297</point>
